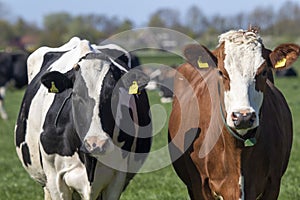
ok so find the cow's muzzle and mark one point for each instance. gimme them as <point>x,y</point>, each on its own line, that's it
<point>96,146</point>
<point>243,119</point>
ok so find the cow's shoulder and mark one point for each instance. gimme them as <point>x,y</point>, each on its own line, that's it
<point>189,76</point>
<point>187,70</point>
<point>59,136</point>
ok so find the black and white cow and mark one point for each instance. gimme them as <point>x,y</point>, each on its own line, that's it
<point>83,131</point>
<point>12,68</point>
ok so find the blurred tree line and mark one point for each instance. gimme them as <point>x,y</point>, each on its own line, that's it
<point>282,24</point>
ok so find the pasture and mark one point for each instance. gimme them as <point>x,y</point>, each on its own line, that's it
<point>162,184</point>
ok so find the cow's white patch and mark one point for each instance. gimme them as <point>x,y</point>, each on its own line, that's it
<point>242,189</point>
<point>3,113</point>
<point>35,60</point>
<point>64,174</point>
<point>111,183</point>
<point>40,104</point>
<point>2,91</point>
<point>243,52</point>
<point>67,61</point>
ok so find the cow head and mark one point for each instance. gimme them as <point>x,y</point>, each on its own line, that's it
<point>244,65</point>
<point>92,81</point>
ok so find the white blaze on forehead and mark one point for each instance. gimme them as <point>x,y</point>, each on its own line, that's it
<point>243,57</point>
<point>93,72</point>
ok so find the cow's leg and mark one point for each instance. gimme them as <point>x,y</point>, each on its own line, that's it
<point>77,179</point>
<point>52,186</point>
<point>55,183</point>
<point>272,190</point>
<point>47,195</point>
<point>115,188</point>
<point>185,167</point>
<point>3,113</point>
<point>72,176</point>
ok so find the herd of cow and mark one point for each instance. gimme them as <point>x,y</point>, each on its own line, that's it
<point>84,128</point>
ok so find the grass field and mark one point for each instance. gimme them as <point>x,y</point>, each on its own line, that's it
<point>163,184</point>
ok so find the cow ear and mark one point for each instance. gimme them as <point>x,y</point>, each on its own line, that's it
<point>284,56</point>
<point>199,56</point>
<point>56,82</point>
<point>135,80</point>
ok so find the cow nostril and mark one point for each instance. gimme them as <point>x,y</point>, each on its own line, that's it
<point>253,116</point>
<point>87,146</point>
<point>95,146</point>
<point>242,120</point>
<point>235,116</point>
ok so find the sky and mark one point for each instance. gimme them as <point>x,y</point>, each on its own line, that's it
<point>137,11</point>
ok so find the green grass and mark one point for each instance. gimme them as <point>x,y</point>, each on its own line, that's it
<point>163,184</point>
<point>160,57</point>
<point>15,183</point>
<point>290,183</point>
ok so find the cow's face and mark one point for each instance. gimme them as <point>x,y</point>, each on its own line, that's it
<point>242,65</point>
<point>93,82</point>
<point>245,66</point>
<point>86,101</point>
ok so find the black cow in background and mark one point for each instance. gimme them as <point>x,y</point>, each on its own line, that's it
<point>290,72</point>
<point>13,67</point>
<point>162,79</point>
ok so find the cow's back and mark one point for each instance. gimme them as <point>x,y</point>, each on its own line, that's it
<point>36,59</point>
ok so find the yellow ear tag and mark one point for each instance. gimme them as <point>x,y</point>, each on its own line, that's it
<point>53,88</point>
<point>280,63</point>
<point>202,64</point>
<point>134,88</point>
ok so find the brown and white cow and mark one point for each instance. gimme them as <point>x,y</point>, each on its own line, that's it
<point>230,129</point>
